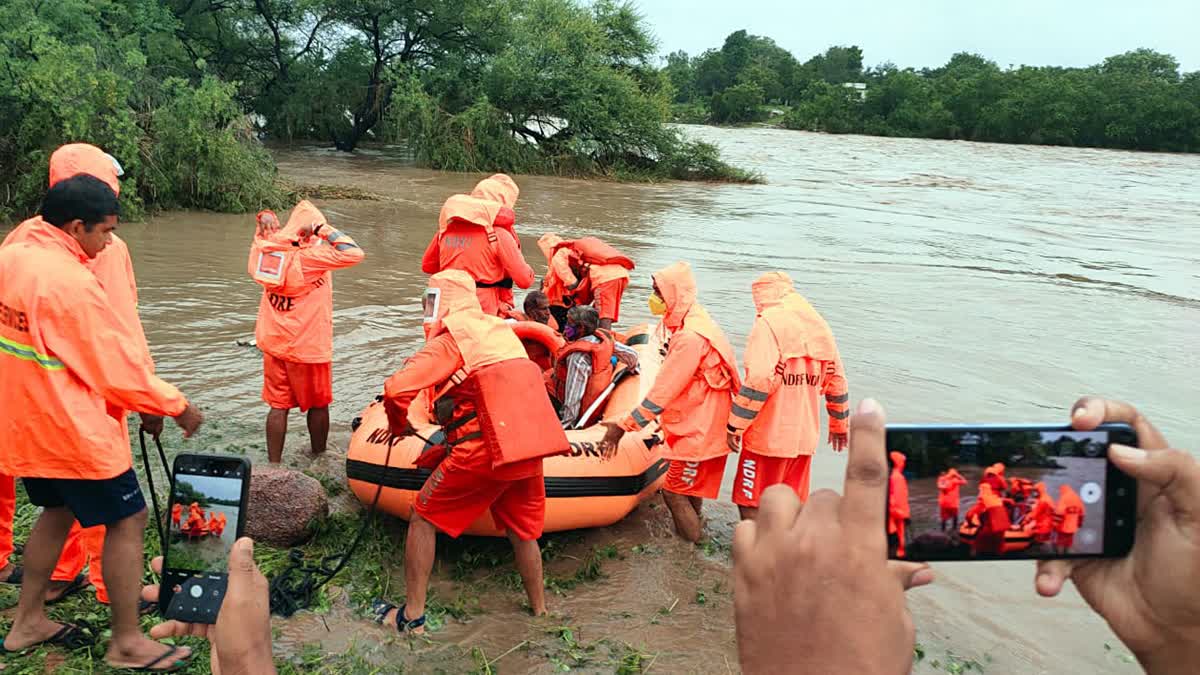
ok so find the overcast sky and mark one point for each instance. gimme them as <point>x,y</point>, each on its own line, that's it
<point>920,33</point>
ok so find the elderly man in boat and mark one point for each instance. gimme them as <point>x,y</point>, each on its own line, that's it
<point>585,367</point>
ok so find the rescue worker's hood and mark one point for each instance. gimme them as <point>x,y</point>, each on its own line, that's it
<point>481,212</point>
<point>547,242</point>
<point>1068,493</point>
<point>898,459</point>
<point>76,158</point>
<point>288,237</point>
<point>450,292</point>
<point>774,296</point>
<point>498,188</point>
<point>678,287</point>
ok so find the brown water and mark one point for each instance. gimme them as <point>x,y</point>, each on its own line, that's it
<point>965,282</point>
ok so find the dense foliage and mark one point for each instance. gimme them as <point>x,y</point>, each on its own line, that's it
<point>1138,100</point>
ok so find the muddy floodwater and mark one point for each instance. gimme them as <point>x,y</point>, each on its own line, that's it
<point>965,282</point>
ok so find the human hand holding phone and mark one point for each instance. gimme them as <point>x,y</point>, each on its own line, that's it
<point>241,637</point>
<point>1150,597</point>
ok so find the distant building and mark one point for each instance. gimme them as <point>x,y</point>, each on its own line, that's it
<point>860,87</point>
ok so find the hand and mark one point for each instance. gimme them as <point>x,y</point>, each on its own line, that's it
<point>189,420</point>
<point>266,224</point>
<point>734,441</point>
<point>241,638</point>
<point>152,424</point>
<point>611,441</point>
<point>839,441</point>
<point>824,567</point>
<point>1151,597</point>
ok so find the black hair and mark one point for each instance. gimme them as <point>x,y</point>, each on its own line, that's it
<point>586,317</point>
<point>532,298</point>
<point>80,197</point>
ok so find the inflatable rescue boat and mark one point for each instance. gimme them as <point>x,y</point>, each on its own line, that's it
<point>582,489</point>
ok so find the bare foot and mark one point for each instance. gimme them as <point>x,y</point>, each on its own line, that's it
<point>26,636</point>
<point>390,618</point>
<point>141,652</point>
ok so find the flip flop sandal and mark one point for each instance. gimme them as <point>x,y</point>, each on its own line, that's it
<point>71,636</point>
<point>381,608</point>
<point>176,665</point>
<point>77,584</point>
<point>15,577</point>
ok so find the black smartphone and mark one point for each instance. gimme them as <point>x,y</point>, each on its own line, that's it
<point>987,492</point>
<point>206,515</point>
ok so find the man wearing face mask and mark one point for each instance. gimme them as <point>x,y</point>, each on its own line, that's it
<point>584,366</point>
<point>693,394</point>
<point>792,361</point>
<point>498,424</point>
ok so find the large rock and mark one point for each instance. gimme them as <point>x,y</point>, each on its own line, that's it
<point>283,503</point>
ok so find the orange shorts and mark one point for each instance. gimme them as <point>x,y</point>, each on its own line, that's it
<point>452,499</point>
<point>288,385</point>
<point>607,299</point>
<point>696,479</point>
<point>756,473</point>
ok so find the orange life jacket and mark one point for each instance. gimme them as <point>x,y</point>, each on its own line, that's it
<point>541,342</point>
<point>592,251</point>
<point>602,370</point>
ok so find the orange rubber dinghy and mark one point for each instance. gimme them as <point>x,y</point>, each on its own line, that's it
<point>582,490</point>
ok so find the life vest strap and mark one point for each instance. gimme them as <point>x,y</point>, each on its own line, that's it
<point>503,283</point>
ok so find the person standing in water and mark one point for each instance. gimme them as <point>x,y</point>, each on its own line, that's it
<point>692,394</point>
<point>898,509</point>
<point>295,265</point>
<point>474,370</point>
<point>1068,518</point>
<point>502,189</point>
<point>949,498</point>
<point>791,361</point>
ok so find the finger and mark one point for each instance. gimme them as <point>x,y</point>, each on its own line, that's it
<point>745,534</point>
<point>1090,412</point>
<point>821,507</point>
<point>866,472</point>
<point>777,510</point>
<point>1051,575</point>
<point>168,629</point>
<point>242,569</point>
<point>156,564</point>
<point>1172,471</point>
<point>150,593</point>
<point>911,575</point>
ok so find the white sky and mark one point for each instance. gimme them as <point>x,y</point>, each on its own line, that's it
<point>921,33</point>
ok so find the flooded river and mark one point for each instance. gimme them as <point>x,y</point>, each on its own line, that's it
<point>964,282</point>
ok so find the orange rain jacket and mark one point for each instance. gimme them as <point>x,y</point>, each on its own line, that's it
<point>468,240</point>
<point>1070,511</point>
<point>1043,514</point>
<point>694,388</point>
<point>559,275</point>
<point>791,362</point>
<point>461,336</point>
<point>898,509</point>
<point>295,315</point>
<point>948,485</point>
<point>71,366</point>
<point>502,189</point>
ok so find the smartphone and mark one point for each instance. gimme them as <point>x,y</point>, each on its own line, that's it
<point>1022,492</point>
<point>206,515</point>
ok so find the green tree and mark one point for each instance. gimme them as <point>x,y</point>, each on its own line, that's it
<point>682,75</point>
<point>738,104</point>
<point>827,107</point>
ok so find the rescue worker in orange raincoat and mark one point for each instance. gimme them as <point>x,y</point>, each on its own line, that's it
<point>176,515</point>
<point>592,273</point>
<point>468,239</point>
<point>791,362</point>
<point>558,277</point>
<point>584,367</point>
<point>993,522</point>
<point>295,265</point>
<point>1043,515</point>
<point>67,356</point>
<point>502,189</point>
<point>994,477</point>
<point>113,268</point>
<point>898,509</point>
<point>474,375</point>
<point>692,394</point>
<point>1068,518</point>
<point>948,484</point>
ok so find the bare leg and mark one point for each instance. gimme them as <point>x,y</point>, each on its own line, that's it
<point>529,564</point>
<point>420,548</point>
<point>123,576</point>
<point>30,624</point>
<point>318,429</point>
<point>277,421</point>
<point>685,515</point>
<point>748,512</point>
<point>697,505</point>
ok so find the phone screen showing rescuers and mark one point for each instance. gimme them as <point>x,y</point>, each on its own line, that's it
<point>204,519</point>
<point>1007,492</point>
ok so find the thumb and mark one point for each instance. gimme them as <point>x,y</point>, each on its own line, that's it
<point>1174,472</point>
<point>242,569</point>
<point>911,575</point>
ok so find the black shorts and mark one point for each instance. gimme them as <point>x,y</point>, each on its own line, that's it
<point>94,502</point>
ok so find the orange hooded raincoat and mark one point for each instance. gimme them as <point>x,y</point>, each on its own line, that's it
<point>295,315</point>
<point>949,497</point>
<point>791,361</point>
<point>1070,510</point>
<point>559,275</point>
<point>1043,514</point>
<point>694,388</point>
<point>502,189</point>
<point>468,240</point>
<point>898,510</point>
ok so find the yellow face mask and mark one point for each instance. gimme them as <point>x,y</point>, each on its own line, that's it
<point>658,306</point>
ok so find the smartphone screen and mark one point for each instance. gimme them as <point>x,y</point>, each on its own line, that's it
<point>205,517</point>
<point>1007,491</point>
